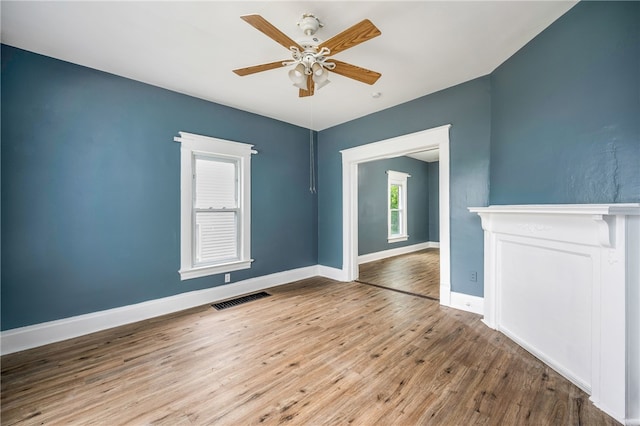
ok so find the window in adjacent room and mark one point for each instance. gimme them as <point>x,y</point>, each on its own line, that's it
<point>397,206</point>
<point>215,186</point>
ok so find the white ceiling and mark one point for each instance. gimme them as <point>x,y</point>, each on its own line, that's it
<point>429,156</point>
<point>191,47</point>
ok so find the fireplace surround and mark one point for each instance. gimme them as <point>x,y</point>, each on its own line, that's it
<point>563,281</point>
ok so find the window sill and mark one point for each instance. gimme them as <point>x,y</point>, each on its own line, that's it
<point>397,239</point>
<point>187,274</point>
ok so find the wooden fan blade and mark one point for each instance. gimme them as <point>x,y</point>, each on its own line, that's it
<point>357,73</point>
<point>359,33</point>
<point>259,68</point>
<point>311,85</point>
<point>264,26</point>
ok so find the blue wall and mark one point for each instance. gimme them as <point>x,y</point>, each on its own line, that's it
<point>90,175</point>
<point>91,189</point>
<point>434,201</point>
<point>373,204</point>
<point>467,107</point>
<point>566,111</point>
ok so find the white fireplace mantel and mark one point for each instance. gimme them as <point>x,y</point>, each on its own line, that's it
<point>563,281</point>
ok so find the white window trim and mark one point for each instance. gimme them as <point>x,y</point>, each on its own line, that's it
<point>191,145</point>
<point>398,178</point>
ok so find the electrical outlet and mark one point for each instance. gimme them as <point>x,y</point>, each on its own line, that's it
<point>474,276</point>
<point>227,278</point>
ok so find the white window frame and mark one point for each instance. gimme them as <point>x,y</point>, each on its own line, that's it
<point>400,179</point>
<point>193,145</point>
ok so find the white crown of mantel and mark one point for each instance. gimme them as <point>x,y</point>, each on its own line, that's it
<point>599,213</point>
<point>563,281</point>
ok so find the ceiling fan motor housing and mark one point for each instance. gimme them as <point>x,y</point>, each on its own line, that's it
<point>309,24</point>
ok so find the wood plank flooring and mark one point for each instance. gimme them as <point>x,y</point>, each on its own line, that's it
<point>315,352</point>
<point>417,272</point>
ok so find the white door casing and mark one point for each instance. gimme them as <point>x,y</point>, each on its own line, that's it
<point>437,137</point>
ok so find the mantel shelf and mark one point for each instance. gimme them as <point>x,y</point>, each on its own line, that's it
<point>589,209</point>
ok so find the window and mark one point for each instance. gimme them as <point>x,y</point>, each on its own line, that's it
<point>397,206</point>
<point>215,214</point>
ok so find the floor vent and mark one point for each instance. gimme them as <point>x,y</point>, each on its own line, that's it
<point>240,300</point>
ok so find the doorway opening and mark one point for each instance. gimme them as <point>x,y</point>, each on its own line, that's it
<point>398,224</point>
<point>402,145</point>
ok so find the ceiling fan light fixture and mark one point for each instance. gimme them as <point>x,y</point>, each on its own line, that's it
<point>317,69</point>
<point>298,76</point>
<point>321,84</point>
<point>320,77</point>
<point>302,86</point>
<point>299,71</point>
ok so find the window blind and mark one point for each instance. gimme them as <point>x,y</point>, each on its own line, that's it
<point>216,210</point>
<point>216,186</point>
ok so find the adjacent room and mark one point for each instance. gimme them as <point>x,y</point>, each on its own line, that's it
<point>207,218</point>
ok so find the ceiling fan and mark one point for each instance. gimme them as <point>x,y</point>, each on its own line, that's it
<point>310,56</point>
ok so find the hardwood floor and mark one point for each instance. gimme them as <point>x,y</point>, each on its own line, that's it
<point>315,352</point>
<point>417,272</point>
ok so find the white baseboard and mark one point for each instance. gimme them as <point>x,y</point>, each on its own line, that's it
<point>31,336</point>
<point>332,273</point>
<point>465,302</point>
<point>371,257</point>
